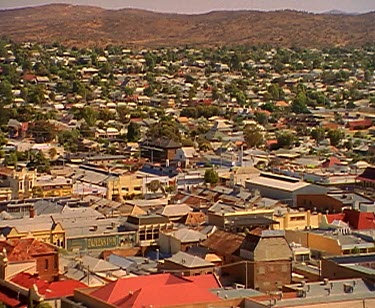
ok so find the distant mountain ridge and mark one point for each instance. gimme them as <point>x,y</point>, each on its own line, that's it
<point>84,26</point>
<point>339,12</point>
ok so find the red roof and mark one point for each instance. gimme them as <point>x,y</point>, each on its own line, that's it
<point>360,220</point>
<point>156,291</point>
<point>48,290</point>
<point>360,124</point>
<point>331,162</point>
<point>25,249</point>
<point>332,217</point>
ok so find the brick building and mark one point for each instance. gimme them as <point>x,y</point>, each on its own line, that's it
<point>161,150</point>
<point>28,251</point>
<point>264,262</point>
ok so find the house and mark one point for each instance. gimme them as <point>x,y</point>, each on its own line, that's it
<point>152,290</point>
<point>21,181</point>
<point>19,255</point>
<point>40,228</point>
<point>359,124</point>
<point>185,156</point>
<point>179,240</point>
<point>224,244</point>
<point>17,129</point>
<point>161,150</point>
<point>185,264</point>
<point>53,186</point>
<point>175,212</point>
<point>123,186</point>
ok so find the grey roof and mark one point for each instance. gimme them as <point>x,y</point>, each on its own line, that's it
<point>172,210</point>
<point>188,236</point>
<point>235,293</point>
<point>349,198</point>
<point>318,292</point>
<point>188,260</point>
<point>221,207</point>
<point>98,265</point>
<point>43,207</point>
<point>121,262</point>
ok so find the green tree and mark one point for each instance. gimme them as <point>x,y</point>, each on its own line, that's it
<point>39,161</point>
<point>318,134</point>
<point>90,115</point>
<point>155,185</point>
<point>285,139</point>
<point>69,140</point>
<point>335,136</point>
<point>262,118</point>
<point>3,140</point>
<point>6,94</point>
<point>164,129</point>
<point>253,136</point>
<point>43,131</point>
<point>211,176</point>
<point>299,104</point>
<point>134,132</point>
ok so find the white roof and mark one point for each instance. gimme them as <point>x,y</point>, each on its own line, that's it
<point>277,183</point>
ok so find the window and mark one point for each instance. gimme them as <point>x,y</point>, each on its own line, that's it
<point>261,270</point>
<point>46,264</point>
<point>284,268</point>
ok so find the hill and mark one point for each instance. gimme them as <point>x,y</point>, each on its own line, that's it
<point>85,26</point>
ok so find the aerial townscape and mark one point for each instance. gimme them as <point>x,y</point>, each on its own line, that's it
<point>191,175</point>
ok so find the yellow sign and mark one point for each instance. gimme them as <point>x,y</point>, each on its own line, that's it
<point>101,242</point>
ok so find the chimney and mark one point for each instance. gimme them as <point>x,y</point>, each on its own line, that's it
<point>32,212</point>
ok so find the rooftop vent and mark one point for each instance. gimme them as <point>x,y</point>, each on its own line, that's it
<point>301,292</point>
<point>348,288</point>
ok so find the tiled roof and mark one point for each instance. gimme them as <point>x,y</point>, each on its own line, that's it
<point>223,242</point>
<point>188,260</point>
<point>48,290</point>
<point>25,249</point>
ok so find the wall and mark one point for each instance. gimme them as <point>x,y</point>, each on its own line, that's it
<point>298,221</point>
<point>270,275</point>
<point>332,270</point>
<point>124,185</point>
<point>216,220</point>
<point>319,242</point>
<point>172,267</point>
<point>319,201</point>
<point>273,193</point>
<point>48,266</point>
